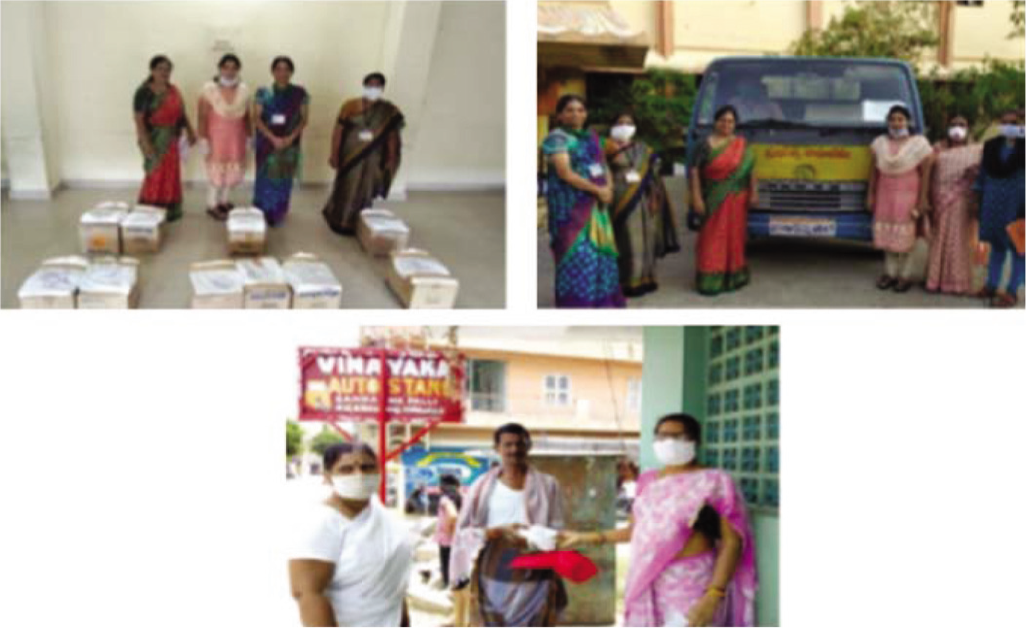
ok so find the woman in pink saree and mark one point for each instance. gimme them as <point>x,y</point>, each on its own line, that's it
<point>692,550</point>
<point>949,269</point>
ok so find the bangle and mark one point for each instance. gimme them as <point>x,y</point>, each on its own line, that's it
<point>716,591</point>
<point>601,538</point>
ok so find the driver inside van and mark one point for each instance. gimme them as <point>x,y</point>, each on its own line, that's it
<point>752,102</point>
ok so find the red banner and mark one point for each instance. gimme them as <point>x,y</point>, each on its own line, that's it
<point>379,384</point>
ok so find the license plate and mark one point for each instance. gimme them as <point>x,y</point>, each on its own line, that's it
<point>803,227</point>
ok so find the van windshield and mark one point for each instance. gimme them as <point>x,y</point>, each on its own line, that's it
<point>809,93</point>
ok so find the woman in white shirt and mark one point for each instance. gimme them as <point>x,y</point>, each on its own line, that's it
<point>352,565</point>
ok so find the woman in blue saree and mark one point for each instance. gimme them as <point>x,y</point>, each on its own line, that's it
<point>281,113</point>
<point>580,229</point>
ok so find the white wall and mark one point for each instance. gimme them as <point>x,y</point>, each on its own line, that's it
<point>99,53</point>
<point>462,134</point>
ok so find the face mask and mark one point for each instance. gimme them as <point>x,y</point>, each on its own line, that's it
<point>957,133</point>
<point>357,485</point>
<point>674,452</point>
<point>372,93</point>
<point>1012,131</point>
<point>228,82</point>
<point>622,132</point>
<point>897,133</point>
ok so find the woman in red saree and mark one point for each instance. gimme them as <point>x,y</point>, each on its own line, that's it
<point>723,187</point>
<point>160,118</point>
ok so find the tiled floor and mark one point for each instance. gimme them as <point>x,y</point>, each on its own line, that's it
<point>466,231</point>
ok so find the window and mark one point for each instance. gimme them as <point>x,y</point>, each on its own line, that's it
<point>486,385</point>
<point>742,422</point>
<point>557,390</point>
<point>634,395</point>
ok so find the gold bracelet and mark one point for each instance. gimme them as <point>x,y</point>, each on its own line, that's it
<point>718,592</point>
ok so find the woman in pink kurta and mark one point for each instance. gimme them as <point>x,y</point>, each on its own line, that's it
<point>224,126</point>
<point>956,163</point>
<point>898,196</point>
<point>692,547</point>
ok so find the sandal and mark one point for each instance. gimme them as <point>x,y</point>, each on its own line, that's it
<point>885,282</point>
<point>214,212</point>
<point>1003,300</point>
<point>986,293</point>
<point>902,286</point>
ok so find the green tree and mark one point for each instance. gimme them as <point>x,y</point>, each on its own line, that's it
<point>1018,20</point>
<point>661,102</point>
<point>982,93</point>
<point>293,439</point>
<point>324,439</point>
<point>894,29</point>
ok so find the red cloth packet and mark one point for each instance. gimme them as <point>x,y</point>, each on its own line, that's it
<point>573,566</point>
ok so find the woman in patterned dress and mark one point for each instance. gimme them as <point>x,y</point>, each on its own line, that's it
<point>898,196</point>
<point>160,120</point>
<point>580,230</point>
<point>280,114</point>
<point>224,125</point>
<point>692,547</point>
<point>957,160</point>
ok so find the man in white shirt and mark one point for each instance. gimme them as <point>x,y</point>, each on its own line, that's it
<point>497,510</point>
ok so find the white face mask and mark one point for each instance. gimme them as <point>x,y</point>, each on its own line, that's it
<point>957,133</point>
<point>372,93</point>
<point>898,133</point>
<point>622,132</point>
<point>228,82</point>
<point>672,452</point>
<point>1012,131</point>
<point>356,485</point>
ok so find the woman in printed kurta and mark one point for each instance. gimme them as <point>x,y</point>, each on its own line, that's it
<point>365,154</point>
<point>280,114</point>
<point>723,187</point>
<point>160,120</point>
<point>898,196</point>
<point>1000,185</point>
<point>643,219</point>
<point>580,229</point>
<point>951,248</point>
<point>692,548</point>
<point>224,125</point>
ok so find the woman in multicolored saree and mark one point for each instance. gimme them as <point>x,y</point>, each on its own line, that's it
<point>160,119</point>
<point>365,153</point>
<point>692,550</point>
<point>580,230</point>
<point>281,112</point>
<point>643,219</point>
<point>723,188</point>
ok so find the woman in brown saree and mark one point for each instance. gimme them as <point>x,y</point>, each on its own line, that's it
<point>365,153</point>
<point>643,219</point>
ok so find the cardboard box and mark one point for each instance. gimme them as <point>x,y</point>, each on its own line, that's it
<point>247,231</point>
<point>216,285</point>
<point>381,232</point>
<point>110,283</point>
<point>264,285</point>
<point>99,229</point>
<point>142,230</point>
<point>421,281</point>
<point>54,285</point>
<point>313,284</point>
